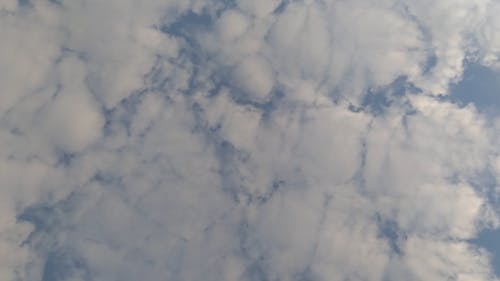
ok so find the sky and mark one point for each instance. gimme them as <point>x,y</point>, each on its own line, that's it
<point>252,140</point>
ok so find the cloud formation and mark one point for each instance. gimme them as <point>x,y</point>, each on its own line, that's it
<point>244,140</point>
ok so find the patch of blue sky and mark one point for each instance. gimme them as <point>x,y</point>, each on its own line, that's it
<point>480,86</point>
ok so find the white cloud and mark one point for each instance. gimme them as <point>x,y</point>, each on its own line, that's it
<point>38,48</point>
<point>259,8</point>
<point>254,76</point>
<point>73,120</point>
<point>201,140</point>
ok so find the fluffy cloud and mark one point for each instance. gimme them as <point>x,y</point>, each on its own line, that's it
<point>238,140</point>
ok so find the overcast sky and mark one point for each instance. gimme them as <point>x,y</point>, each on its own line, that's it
<point>252,140</point>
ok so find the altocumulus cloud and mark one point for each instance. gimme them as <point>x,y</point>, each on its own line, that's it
<point>301,140</point>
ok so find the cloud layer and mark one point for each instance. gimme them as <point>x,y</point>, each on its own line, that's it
<point>244,140</point>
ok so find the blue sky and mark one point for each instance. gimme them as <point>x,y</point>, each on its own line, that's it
<point>479,87</point>
<point>249,140</point>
